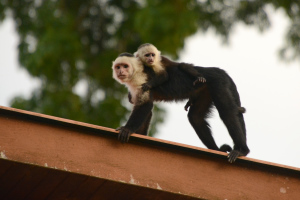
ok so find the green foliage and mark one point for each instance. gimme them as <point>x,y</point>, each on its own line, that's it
<point>69,44</point>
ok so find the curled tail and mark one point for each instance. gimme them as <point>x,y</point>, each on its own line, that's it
<point>225,148</point>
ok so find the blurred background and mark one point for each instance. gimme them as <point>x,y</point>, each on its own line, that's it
<point>56,59</point>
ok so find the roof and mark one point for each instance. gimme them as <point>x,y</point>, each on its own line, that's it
<point>46,157</point>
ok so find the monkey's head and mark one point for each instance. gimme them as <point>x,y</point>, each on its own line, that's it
<point>148,54</point>
<point>125,67</point>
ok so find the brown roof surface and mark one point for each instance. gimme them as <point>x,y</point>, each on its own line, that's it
<point>45,157</point>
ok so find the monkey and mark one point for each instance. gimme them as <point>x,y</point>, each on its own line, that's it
<point>129,71</point>
<point>219,90</point>
<point>150,56</point>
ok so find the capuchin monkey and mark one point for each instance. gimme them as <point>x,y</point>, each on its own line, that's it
<point>129,71</point>
<point>151,57</point>
<point>219,90</point>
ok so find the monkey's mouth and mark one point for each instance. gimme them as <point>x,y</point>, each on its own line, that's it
<point>122,77</point>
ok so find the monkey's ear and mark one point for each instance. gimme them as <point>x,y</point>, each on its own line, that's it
<point>136,54</point>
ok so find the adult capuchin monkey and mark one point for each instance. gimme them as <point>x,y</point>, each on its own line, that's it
<point>130,72</point>
<point>219,90</point>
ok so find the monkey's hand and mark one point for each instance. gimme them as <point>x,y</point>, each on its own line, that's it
<point>146,87</point>
<point>124,134</point>
<point>200,79</point>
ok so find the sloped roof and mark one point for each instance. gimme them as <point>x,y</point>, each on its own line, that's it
<point>45,157</point>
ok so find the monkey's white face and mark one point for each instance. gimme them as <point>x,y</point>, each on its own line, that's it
<point>149,58</point>
<point>128,71</point>
<point>149,55</point>
<point>123,71</point>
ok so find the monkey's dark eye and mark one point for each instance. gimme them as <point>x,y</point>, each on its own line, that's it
<point>117,67</point>
<point>125,66</point>
<point>150,54</point>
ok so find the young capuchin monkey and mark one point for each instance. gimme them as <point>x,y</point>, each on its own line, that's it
<point>151,57</point>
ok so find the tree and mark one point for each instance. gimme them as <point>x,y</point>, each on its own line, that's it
<point>70,44</point>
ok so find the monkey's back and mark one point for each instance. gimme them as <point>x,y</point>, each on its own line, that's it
<point>218,82</point>
<point>178,87</point>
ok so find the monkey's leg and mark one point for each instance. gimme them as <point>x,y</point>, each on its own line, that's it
<point>229,114</point>
<point>242,122</point>
<point>196,115</point>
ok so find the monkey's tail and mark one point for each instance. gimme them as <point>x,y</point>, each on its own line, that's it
<point>242,109</point>
<point>225,148</point>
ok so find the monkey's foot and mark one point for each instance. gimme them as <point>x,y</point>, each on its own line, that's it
<point>124,134</point>
<point>233,155</point>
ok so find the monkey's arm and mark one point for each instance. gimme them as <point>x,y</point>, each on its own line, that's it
<point>157,80</point>
<point>189,69</point>
<point>137,118</point>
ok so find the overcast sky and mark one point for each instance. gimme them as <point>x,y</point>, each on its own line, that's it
<point>268,87</point>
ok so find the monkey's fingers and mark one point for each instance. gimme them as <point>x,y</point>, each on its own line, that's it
<point>121,137</point>
<point>128,136</point>
<point>121,131</point>
<point>233,155</point>
<point>124,134</point>
<point>195,82</point>
<point>199,80</point>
